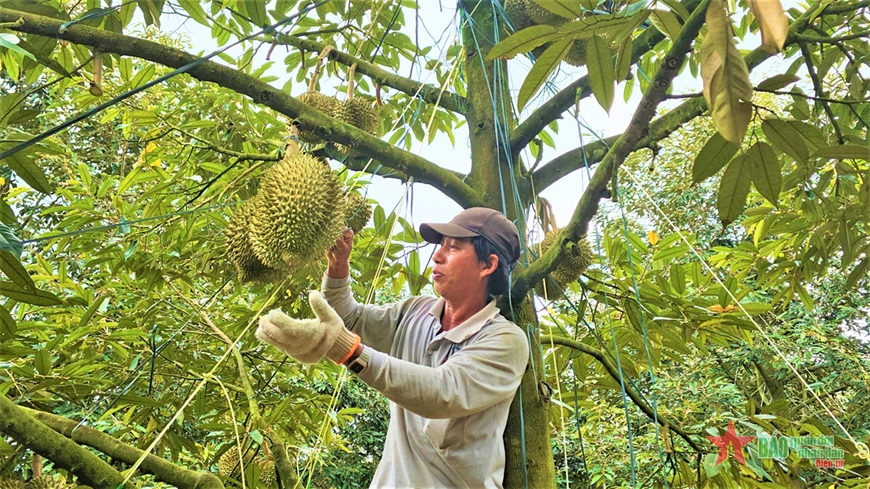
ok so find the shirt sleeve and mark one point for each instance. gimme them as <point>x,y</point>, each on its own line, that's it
<point>481,374</point>
<point>376,325</point>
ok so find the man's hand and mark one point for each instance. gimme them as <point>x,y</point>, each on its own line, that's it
<point>309,340</point>
<point>338,257</point>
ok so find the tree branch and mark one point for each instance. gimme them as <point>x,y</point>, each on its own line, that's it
<point>658,129</point>
<point>429,93</point>
<point>23,428</point>
<point>553,108</point>
<point>163,470</point>
<point>588,205</point>
<point>614,373</point>
<point>820,92</point>
<point>309,119</point>
<point>832,40</point>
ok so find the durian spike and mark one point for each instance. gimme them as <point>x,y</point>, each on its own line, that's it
<point>351,83</point>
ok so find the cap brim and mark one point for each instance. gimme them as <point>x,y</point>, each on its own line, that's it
<point>434,232</point>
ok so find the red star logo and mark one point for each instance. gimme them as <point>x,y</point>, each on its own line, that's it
<point>730,438</point>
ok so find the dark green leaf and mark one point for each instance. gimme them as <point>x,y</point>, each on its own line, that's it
<point>35,297</point>
<point>602,76</point>
<point>11,266</point>
<point>786,138</point>
<point>10,242</point>
<point>542,69</point>
<point>733,190</point>
<point>765,170</point>
<point>8,327</point>
<point>778,82</point>
<point>623,60</point>
<point>86,317</point>
<point>523,41</point>
<point>42,361</point>
<point>715,154</point>
<point>10,42</point>
<point>27,169</point>
<point>844,152</point>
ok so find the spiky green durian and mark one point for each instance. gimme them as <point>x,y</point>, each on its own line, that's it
<point>11,483</point>
<point>359,112</point>
<point>228,464</point>
<point>579,258</point>
<point>324,103</point>
<point>516,12</point>
<point>45,482</point>
<point>268,474</point>
<point>240,252</point>
<point>298,214</point>
<point>577,54</point>
<point>357,211</point>
<point>540,15</point>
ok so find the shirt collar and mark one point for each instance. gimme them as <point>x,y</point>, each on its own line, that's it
<point>470,326</point>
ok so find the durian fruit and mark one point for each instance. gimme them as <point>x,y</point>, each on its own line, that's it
<point>11,483</point>
<point>45,482</point>
<point>268,474</point>
<point>577,54</point>
<point>540,15</point>
<point>568,271</point>
<point>316,100</point>
<point>516,12</point>
<point>357,211</point>
<point>228,464</point>
<point>359,112</point>
<point>298,214</point>
<point>240,252</point>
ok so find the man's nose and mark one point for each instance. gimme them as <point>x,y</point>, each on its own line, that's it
<point>438,257</point>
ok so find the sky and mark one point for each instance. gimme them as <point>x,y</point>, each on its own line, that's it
<point>423,203</point>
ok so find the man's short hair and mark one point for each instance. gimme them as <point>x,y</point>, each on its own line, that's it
<point>499,279</point>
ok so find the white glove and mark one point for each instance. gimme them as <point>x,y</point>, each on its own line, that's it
<point>309,340</point>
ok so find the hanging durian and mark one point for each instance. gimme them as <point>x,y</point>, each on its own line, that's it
<point>359,112</point>
<point>316,100</point>
<point>516,12</point>
<point>357,211</point>
<point>240,252</point>
<point>268,473</point>
<point>298,214</point>
<point>228,464</point>
<point>45,482</point>
<point>11,483</point>
<point>577,54</point>
<point>579,258</point>
<point>540,15</point>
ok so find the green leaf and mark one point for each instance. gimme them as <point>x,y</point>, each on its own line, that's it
<point>542,69</point>
<point>194,9</point>
<point>13,269</point>
<point>733,190</point>
<point>844,152</point>
<point>256,436</point>
<point>666,22</point>
<point>562,8</point>
<point>677,7</point>
<point>257,12</point>
<point>523,41</point>
<point>715,154</point>
<point>42,361</point>
<point>765,170</point>
<point>786,138</point>
<point>778,81</point>
<point>27,169</point>
<point>143,76</point>
<point>10,42</point>
<point>8,327</point>
<point>35,297</point>
<point>44,59</point>
<point>94,307</point>
<point>602,76</point>
<point>623,60</point>
<point>10,242</point>
<point>727,89</point>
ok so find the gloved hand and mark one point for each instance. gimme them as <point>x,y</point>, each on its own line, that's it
<point>309,340</point>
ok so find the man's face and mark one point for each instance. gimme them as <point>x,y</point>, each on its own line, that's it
<point>457,272</point>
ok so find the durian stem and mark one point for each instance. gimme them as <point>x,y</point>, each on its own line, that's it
<point>163,470</point>
<point>351,83</point>
<point>312,84</point>
<point>37,465</point>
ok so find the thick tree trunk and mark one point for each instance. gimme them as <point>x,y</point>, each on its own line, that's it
<point>529,457</point>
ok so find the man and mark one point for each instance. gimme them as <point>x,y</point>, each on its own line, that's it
<point>450,365</point>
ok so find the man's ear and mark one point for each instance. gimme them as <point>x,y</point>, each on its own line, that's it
<point>490,266</point>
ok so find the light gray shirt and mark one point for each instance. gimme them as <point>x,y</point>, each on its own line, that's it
<point>450,392</point>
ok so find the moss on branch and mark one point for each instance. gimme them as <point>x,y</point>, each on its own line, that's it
<point>309,119</point>
<point>26,430</point>
<point>429,93</point>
